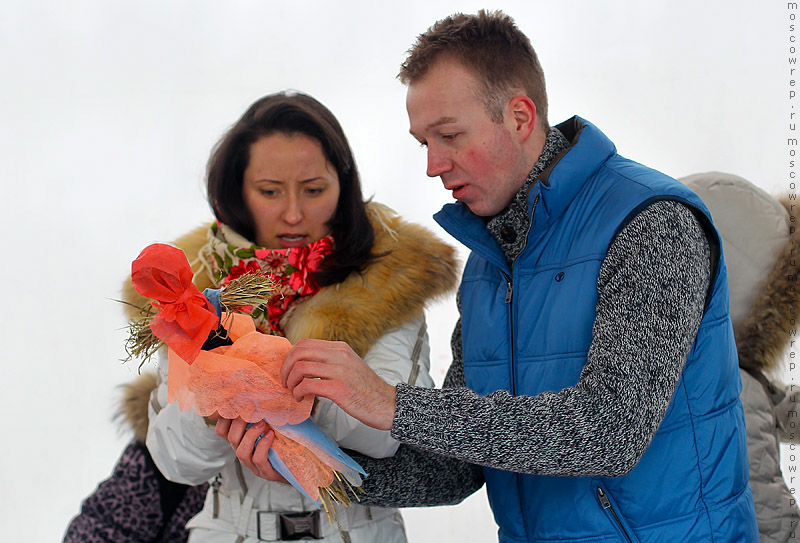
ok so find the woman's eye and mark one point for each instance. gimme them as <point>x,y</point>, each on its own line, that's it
<point>314,191</point>
<point>269,193</point>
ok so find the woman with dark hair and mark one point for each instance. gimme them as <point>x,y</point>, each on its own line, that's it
<point>286,194</point>
<point>291,115</point>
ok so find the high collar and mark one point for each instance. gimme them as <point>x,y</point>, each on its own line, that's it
<point>556,188</point>
<point>510,226</point>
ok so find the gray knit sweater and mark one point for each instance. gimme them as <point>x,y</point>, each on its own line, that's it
<point>651,293</point>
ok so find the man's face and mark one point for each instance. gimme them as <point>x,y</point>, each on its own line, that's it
<point>480,161</point>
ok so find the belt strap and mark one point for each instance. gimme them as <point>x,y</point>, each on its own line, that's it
<point>412,376</point>
<point>266,525</point>
<point>274,526</point>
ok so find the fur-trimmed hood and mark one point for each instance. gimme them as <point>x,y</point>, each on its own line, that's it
<point>758,241</point>
<point>763,336</point>
<point>133,405</point>
<point>414,268</point>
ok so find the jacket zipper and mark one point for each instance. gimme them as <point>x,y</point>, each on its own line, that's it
<point>606,503</point>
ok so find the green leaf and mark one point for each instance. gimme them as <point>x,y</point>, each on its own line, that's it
<point>244,253</point>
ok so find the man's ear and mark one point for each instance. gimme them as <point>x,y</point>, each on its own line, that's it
<point>521,113</point>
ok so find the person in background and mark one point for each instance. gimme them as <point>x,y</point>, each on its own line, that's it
<point>136,504</point>
<point>594,380</point>
<point>762,274</point>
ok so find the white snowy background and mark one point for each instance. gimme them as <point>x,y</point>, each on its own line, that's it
<point>108,110</point>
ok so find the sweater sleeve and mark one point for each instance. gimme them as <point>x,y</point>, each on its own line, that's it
<point>415,477</point>
<point>651,295</point>
<point>400,356</point>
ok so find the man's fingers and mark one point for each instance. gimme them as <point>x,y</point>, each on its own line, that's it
<point>302,350</point>
<point>310,370</point>
<point>302,390</point>
<point>315,351</point>
<point>325,388</point>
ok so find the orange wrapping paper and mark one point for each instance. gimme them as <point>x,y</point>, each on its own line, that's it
<point>240,380</point>
<point>308,469</point>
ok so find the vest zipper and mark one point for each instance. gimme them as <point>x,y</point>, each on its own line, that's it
<point>606,503</point>
<point>509,280</point>
<point>510,298</point>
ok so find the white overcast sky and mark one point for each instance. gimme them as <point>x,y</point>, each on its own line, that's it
<point>109,109</point>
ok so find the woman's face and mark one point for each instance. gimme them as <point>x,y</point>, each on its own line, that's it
<point>290,189</point>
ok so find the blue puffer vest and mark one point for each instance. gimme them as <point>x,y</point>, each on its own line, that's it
<point>691,483</point>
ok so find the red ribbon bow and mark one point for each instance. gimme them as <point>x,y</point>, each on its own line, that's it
<point>185,316</point>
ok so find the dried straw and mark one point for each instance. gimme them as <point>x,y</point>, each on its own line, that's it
<point>141,342</point>
<point>250,289</point>
<point>338,492</point>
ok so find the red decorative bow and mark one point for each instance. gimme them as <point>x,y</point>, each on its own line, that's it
<point>186,317</point>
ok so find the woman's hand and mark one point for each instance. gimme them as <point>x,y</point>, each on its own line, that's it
<point>332,369</point>
<point>252,455</point>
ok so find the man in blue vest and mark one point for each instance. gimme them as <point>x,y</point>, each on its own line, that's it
<point>594,384</point>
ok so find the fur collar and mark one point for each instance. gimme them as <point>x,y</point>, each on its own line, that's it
<point>762,336</point>
<point>415,268</point>
<point>134,401</point>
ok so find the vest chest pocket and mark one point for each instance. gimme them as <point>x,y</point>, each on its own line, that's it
<point>554,309</point>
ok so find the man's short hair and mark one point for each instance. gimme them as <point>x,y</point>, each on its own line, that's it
<point>493,48</point>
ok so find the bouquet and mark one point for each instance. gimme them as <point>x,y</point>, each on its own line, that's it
<point>220,365</point>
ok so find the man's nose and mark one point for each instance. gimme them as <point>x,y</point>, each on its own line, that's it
<point>438,161</point>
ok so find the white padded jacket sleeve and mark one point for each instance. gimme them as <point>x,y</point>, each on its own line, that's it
<point>185,449</point>
<point>400,356</point>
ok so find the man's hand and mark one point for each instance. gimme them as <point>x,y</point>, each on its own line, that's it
<point>332,370</point>
<point>243,440</point>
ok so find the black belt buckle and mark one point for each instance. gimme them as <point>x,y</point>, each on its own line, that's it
<point>304,525</point>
